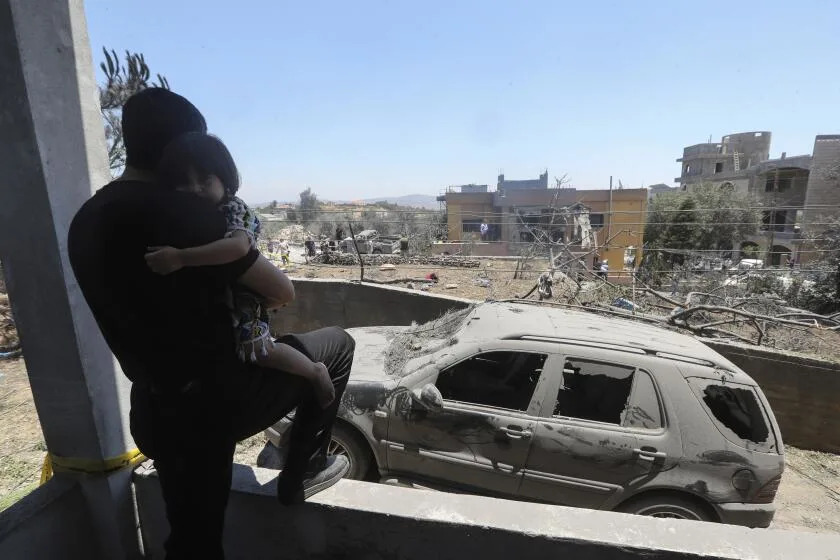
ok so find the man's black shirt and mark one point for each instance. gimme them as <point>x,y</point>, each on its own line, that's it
<point>164,330</point>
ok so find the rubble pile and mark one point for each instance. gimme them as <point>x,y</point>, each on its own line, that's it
<point>295,234</point>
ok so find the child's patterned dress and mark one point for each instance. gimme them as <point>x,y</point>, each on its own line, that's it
<point>249,318</point>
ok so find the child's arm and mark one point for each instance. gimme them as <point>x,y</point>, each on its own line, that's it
<point>165,260</point>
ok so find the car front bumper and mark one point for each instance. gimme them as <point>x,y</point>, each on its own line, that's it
<point>747,515</point>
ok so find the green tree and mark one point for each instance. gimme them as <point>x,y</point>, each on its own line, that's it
<point>823,293</point>
<point>122,80</point>
<point>706,218</point>
<point>309,206</point>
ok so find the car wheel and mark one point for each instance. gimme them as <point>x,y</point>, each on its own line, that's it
<point>667,506</point>
<point>377,251</point>
<point>349,443</point>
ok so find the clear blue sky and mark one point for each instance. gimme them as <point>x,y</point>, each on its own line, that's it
<point>371,98</point>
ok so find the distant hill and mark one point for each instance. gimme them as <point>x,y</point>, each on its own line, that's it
<point>414,200</point>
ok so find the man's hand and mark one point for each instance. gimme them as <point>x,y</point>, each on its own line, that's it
<point>164,260</point>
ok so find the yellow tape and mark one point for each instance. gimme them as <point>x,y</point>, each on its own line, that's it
<point>53,463</point>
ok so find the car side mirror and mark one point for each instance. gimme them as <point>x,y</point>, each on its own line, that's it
<point>428,397</point>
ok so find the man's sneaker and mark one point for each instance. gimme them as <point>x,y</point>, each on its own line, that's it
<point>336,467</point>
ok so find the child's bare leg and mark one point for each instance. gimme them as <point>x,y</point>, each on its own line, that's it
<point>288,359</point>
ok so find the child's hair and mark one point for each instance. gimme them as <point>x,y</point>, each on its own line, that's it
<point>200,154</point>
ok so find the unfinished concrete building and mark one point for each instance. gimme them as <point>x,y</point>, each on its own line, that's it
<point>791,195</point>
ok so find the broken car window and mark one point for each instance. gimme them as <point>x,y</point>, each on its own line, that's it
<point>498,379</point>
<point>644,410</point>
<point>737,412</point>
<point>594,391</point>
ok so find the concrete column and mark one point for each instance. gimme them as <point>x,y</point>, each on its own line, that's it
<point>53,157</point>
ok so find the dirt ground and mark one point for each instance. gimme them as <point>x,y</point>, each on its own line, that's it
<point>808,499</point>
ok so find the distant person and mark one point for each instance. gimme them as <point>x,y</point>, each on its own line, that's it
<point>308,248</point>
<point>200,164</point>
<point>339,234</point>
<point>605,269</point>
<point>283,246</point>
<point>483,229</point>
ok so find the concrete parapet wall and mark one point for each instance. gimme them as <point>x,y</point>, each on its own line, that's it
<point>368,521</point>
<point>324,303</point>
<point>49,524</point>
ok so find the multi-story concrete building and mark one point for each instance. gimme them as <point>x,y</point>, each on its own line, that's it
<point>791,194</point>
<point>517,208</point>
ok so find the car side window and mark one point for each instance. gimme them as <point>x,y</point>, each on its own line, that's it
<point>497,379</point>
<point>593,390</point>
<point>643,410</point>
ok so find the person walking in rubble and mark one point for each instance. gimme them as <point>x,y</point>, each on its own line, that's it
<point>174,339</point>
<point>284,252</point>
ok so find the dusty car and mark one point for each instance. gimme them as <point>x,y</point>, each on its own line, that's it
<point>561,406</point>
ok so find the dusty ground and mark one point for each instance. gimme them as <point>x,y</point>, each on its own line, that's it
<point>808,500</point>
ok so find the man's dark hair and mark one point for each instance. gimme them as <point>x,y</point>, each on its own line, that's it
<point>151,119</point>
<point>197,155</point>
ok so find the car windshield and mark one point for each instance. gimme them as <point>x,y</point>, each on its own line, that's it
<point>414,347</point>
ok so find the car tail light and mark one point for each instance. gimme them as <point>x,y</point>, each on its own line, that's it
<point>767,493</point>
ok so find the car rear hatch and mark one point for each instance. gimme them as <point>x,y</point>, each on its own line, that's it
<point>742,415</point>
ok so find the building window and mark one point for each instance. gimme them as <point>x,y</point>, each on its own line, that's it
<point>769,183</point>
<point>784,184</point>
<point>471,226</point>
<point>596,220</point>
<point>719,167</point>
<point>688,170</point>
<point>773,219</point>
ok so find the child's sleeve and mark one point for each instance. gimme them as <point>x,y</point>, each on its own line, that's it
<point>241,218</point>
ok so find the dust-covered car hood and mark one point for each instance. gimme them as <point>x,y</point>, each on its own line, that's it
<point>369,358</point>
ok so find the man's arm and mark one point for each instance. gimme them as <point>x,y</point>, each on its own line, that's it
<point>268,281</point>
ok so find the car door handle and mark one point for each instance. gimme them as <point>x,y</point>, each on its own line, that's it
<point>515,432</point>
<point>649,455</point>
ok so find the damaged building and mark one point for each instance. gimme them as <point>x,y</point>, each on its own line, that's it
<point>519,214</point>
<point>795,193</point>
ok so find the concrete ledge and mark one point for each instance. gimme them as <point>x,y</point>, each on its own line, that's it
<point>49,523</point>
<point>371,521</point>
<point>323,303</point>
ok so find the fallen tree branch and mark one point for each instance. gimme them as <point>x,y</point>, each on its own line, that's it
<point>399,280</point>
<point>682,315</point>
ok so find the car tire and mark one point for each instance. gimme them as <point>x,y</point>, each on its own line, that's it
<point>346,441</point>
<point>667,506</point>
<point>377,251</point>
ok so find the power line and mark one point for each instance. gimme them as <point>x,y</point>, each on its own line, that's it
<point>524,208</point>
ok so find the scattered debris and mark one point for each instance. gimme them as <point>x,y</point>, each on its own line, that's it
<point>451,286</point>
<point>388,267</point>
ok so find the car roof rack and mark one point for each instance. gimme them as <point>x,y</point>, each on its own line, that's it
<point>618,347</point>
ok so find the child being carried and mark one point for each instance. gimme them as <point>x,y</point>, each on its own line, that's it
<point>201,164</point>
